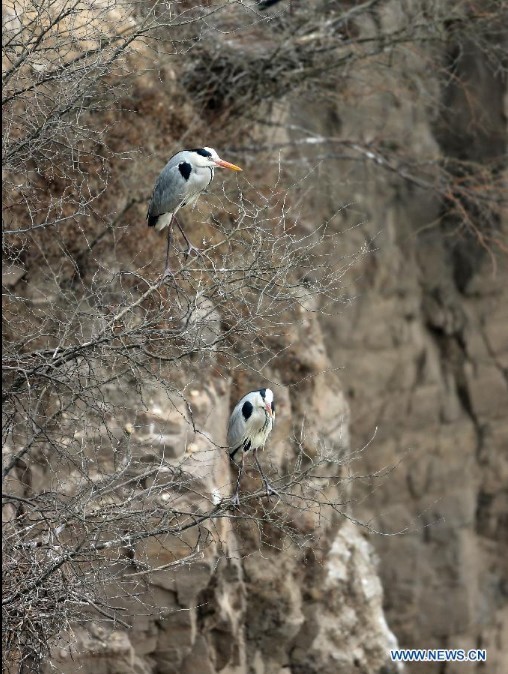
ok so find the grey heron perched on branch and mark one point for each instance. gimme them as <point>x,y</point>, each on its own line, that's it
<point>250,424</point>
<point>180,183</point>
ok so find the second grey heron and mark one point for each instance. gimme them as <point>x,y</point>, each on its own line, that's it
<point>250,424</point>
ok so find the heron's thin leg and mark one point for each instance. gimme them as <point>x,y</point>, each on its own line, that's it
<point>190,247</point>
<point>236,499</point>
<point>269,489</point>
<point>167,270</point>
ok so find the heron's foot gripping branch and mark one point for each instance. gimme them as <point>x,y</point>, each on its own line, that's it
<point>191,250</point>
<point>270,491</point>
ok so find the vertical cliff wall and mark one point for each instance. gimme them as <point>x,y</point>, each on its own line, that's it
<point>380,170</point>
<point>423,345</point>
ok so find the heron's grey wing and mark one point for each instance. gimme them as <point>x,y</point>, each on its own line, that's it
<point>169,190</point>
<point>236,429</point>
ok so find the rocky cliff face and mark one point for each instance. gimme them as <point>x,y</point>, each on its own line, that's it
<point>414,424</point>
<point>269,590</point>
<point>424,348</point>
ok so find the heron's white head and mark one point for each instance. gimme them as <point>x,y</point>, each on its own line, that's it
<point>207,157</point>
<point>265,400</point>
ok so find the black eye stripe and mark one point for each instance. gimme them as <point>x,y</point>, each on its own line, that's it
<point>262,392</point>
<point>202,152</point>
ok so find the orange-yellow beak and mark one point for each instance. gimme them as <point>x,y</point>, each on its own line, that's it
<point>226,164</point>
<point>268,408</point>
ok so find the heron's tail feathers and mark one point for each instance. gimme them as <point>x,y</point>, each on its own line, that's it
<point>151,219</point>
<point>160,222</point>
<point>232,453</point>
